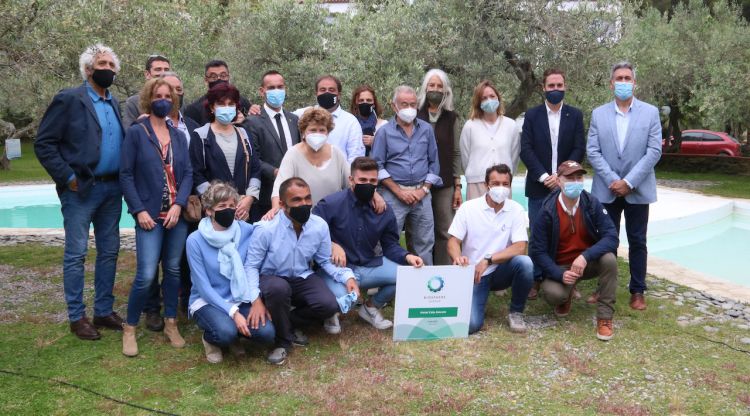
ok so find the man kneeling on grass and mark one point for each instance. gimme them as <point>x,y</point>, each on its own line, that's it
<point>574,238</point>
<point>356,231</point>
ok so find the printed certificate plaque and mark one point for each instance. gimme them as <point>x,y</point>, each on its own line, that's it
<point>432,302</point>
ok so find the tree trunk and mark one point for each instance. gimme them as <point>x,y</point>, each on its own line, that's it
<point>529,84</point>
<point>674,126</point>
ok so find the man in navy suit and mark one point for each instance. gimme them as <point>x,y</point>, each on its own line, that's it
<point>552,133</point>
<point>78,143</point>
<point>273,131</point>
<point>624,146</point>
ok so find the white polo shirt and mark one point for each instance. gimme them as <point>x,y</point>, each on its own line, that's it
<point>482,231</point>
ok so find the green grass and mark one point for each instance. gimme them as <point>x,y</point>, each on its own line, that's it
<point>27,168</point>
<point>652,366</point>
<point>731,186</point>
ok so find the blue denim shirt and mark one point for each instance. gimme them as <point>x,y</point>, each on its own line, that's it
<point>275,250</point>
<point>358,229</point>
<point>408,161</point>
<point>109,156</point>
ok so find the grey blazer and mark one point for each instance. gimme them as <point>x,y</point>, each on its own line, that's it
<point>132,110</point>
<point>269,147</point>
<point>635,161</point>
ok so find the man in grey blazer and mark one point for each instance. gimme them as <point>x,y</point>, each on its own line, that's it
<point>273,132</point>
<point>155,66</point>
<point>623,147</point>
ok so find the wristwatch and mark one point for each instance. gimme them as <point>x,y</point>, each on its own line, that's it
<point>426,190</point>
<point>488,257</point>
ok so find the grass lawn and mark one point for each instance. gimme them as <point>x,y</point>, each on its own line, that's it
<point>651,367</point>
<point>721,184</point>
<point>25,169</point>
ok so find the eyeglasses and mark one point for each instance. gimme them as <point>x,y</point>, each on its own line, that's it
<point>224,76</point>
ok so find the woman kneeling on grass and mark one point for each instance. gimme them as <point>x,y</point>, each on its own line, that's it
<point>221,298</point>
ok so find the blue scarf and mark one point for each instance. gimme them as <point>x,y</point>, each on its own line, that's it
<point>369,122</point>
<point>230,262</point>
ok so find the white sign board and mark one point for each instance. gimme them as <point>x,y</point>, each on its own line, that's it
<point>13,148</point>
<point>432,302</point>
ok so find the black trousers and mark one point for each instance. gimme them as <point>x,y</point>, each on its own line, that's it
<point>312,299</point>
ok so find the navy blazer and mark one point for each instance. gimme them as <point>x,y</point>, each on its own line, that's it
<point>545,235</point>
<point>209,162</point>
<point>142,173</point>
<point>69,137</point>
<point>269,147</point>
<point>536,145</point>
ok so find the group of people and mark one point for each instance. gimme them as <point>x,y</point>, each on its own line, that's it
<point>267,221</point>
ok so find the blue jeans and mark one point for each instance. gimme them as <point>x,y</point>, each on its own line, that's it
<point>518,274</point>
<point>153,246</point>
<point>382,277</point>
<point>636,226</point>
<point>102,207</point>
<point>535,205</point>
<point>422,224</point>
<point>219,329</point>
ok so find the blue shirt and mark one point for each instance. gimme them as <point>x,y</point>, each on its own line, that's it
<point>275,250</point>
<point>109,151</point>
<point>408,161</point>
<point>358,229</point>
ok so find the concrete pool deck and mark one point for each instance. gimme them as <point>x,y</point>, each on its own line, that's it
<point>675,210</point>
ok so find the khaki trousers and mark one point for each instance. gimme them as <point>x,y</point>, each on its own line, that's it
<point>557,293</point>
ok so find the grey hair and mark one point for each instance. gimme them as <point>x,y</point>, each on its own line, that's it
<point>447,102</point>
<point>170,74</point>
<point>620,65</point>
<point>88,58</point>
<point>402,89</point>
<point>218,192</point>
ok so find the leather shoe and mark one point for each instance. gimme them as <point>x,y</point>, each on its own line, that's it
<point>534,292</point>
<point>111,321</point>
<point>563,309</point>
<point>84,330</point>
<point>638,302</point>
<point>154,321</point>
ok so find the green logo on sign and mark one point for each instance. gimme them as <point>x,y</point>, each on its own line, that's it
<point>435,284</point>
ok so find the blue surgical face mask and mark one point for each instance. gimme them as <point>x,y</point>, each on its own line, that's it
<point>225,114</point>
<point>623,90</point>
<point>554,96</point>
<point>573,189</point>
<point>490,106</point>
<point>275,98</point>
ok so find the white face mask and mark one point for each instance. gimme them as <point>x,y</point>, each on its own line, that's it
<point>407,115</point>
<point>316,140</point>
<point>499,193</point>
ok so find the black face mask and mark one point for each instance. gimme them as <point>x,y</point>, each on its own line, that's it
<point>365,109</point>
<point>364,192</point>
<point>225,217</point>
<point>300,214</point>
<point>328,100</point>
<point>215,83</point>
<point>434,97</point>
<point>103,77</point>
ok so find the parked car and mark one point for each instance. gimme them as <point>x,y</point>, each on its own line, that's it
<point>706,142</point>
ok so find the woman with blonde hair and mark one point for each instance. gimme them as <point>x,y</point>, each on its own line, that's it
<point>488,138</point>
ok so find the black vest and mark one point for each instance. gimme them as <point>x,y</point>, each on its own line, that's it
<point>444,136</point>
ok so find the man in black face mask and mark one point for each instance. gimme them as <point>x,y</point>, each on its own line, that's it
<point>217,71</point>
<point>78,143</point>
<point>278,264</point>
<point>356,229</point>
<point>347,133</point>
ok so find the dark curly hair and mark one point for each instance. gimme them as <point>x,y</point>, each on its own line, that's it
<point>219,93</point>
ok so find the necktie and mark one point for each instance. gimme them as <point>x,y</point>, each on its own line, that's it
<point>280,128</point>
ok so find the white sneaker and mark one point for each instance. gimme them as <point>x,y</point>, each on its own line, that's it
<point>332,325</point>
<point>213,353</point>
<point>372,315</point>
<point>516,322</point>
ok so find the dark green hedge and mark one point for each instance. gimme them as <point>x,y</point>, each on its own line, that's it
<point>704,163</point>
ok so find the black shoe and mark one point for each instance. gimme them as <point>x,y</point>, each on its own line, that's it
<point>111,321</point>
<point>154,321</point>
<point>300,339</point>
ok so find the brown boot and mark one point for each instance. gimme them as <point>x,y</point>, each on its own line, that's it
<point>129,344</point>
<point>534,292</point>
<point>84,330</point>
<point>638,302</point>
<point>563,310</point>
<point>605,329</point>
<point>171,331</point>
